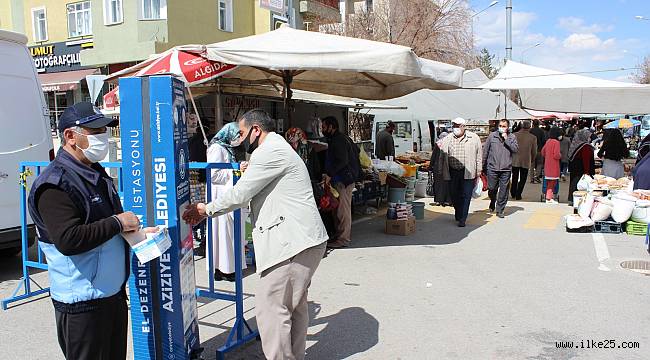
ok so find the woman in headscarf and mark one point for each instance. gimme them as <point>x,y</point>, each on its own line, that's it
<point>441,194</point>
<point>297,138</point>
<point>644,148</point>
<point>224,149</point>
<point>581,160</point>
<point>613,151</point>
<point>641,173</point>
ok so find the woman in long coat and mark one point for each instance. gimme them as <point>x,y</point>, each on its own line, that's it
<point>222,150</point>
<point>441,194</point>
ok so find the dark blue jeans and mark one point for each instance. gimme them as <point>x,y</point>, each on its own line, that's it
<point>461,193</point>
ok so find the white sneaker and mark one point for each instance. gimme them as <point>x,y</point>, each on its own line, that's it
<point>552,201</point>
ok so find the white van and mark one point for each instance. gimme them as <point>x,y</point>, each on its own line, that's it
<point>409,135</point>
<point>25,133</point>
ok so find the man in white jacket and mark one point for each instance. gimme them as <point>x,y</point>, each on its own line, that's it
<point>289,236</point>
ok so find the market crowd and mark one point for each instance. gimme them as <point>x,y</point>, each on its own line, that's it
<point>547,153</point>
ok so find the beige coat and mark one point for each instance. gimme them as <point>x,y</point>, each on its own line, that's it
<point>473,153</point>
<point>527,149</point>
<point>284,213</point>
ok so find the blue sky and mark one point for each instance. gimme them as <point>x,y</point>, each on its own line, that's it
<point>575,35</point>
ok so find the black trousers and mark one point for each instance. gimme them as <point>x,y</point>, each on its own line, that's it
<point>461,193</point>
<point>519,176</point>
<point>97,334</point>
<point>573,184</point>
<point>498,189</point>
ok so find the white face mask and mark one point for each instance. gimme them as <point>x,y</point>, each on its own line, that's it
<point>458,131</point>
<point>97,147</point>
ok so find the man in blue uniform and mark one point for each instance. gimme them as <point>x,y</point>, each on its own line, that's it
<point>79,220</point>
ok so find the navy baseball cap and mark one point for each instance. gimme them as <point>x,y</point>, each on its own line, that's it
<point>86,115</point>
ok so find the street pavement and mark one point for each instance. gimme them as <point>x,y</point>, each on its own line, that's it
<point>498,289</point>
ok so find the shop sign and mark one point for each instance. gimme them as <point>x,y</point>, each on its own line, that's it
<point>59,87</point>
<point>56,57</point>
<point>273,5</point>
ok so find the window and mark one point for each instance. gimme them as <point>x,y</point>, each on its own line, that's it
<point>225,15</point>
<point>39,24</point>
<point>369,6</point>
<point>80,22</point>
<point>153,9</point>
<point>113,12</point>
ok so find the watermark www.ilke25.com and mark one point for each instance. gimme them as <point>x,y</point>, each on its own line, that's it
<point>597,344</point>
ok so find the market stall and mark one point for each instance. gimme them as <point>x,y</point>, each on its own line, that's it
<point>607,205</point>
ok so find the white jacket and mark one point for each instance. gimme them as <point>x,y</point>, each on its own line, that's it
<point>284,212</point>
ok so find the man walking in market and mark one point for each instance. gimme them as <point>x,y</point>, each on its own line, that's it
<point>385,144</point>
<point>342,169</point>
<point>523,159</point>
<point>289,236</point>
<point>538,166</point>
<point>463,163</point>
<point>497,162</point>
<point>79,221</point>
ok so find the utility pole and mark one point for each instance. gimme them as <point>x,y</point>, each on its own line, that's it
<point>508,50</point>
<point>290,12</point>
<point>509,30</point>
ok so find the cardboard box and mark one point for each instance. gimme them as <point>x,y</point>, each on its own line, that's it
<point>401,227</point>
<point>382,177</point>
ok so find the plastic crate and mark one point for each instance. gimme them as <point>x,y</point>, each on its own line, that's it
<point>636,228</point>
<point>608,227</point>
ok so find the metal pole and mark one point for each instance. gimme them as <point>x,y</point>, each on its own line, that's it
<point>509,30</point>
<point>508,50</point>
<point>292,20</point>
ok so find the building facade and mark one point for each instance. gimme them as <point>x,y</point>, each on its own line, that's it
<point>71,39</point>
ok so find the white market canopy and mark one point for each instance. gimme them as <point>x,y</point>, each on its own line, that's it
<point>477,106</point>
<point>549,90</point>
<point>331,64</point>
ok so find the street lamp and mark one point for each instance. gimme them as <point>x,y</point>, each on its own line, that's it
<point>473,16</point>
<point>528,48</point>
<point>639,17</point>
<point>489,6</point>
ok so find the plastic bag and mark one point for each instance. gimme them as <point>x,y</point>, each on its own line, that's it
<point>328,202</point>
<point>364,159</point>
<point>584,182</point>
<point>586,206</point>
<point>478,188</point>
<point>577,221</point>
<point>485,182</point>
<point>601,211</point>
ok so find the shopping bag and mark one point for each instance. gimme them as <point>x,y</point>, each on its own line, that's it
<point>584,182</point>
<point>478,188</point>
<point>485,182</point>
<point>328,202</point>
<point>364,159</point>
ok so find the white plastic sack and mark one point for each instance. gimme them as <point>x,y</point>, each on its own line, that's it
<point>586,206</point>
<point>390,167</point>
<point>478,188</point>
<point>641,212</point>
<point>601,211</point>
<point>623,207</point>
<point>577,221</point>
<point>584,182</point>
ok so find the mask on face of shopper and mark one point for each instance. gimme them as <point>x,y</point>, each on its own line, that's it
<point>97,147</point>
<point>502,130</point>
<point>250,146</point>
<point>458,132</point>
